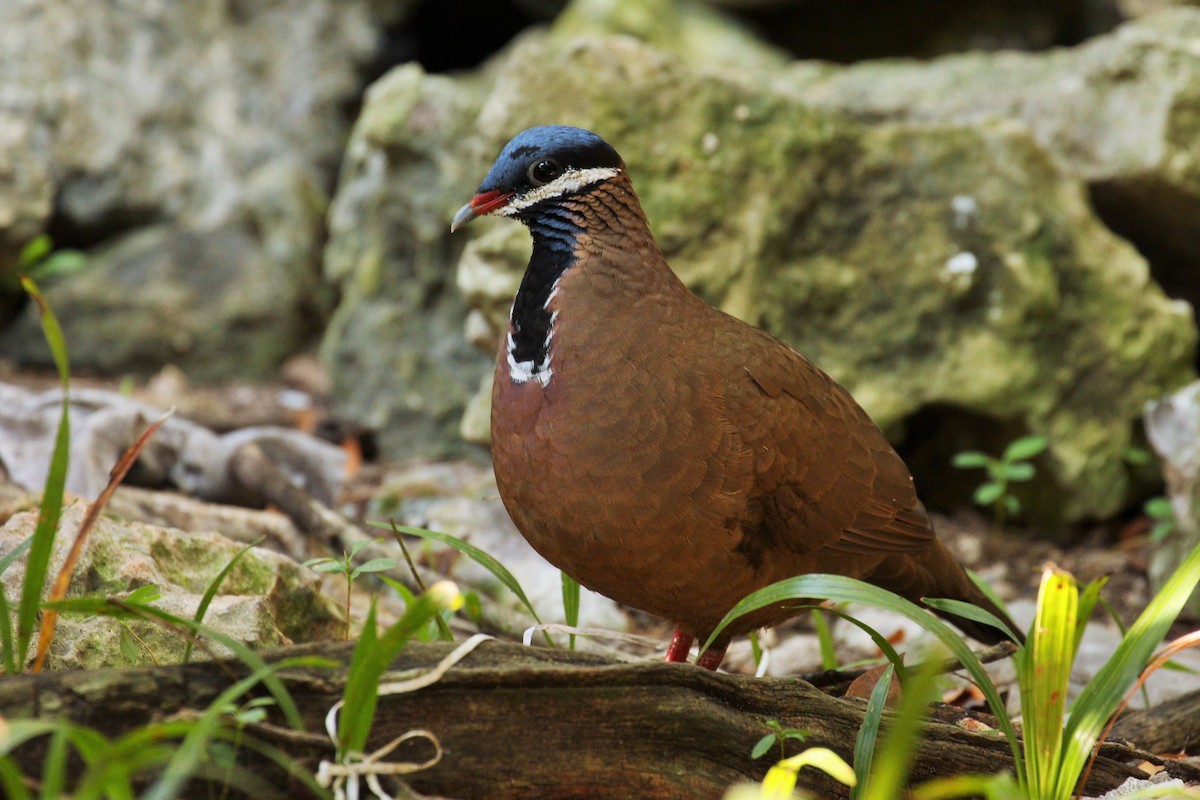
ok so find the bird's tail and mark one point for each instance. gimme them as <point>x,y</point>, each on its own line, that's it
<point>937,574</point>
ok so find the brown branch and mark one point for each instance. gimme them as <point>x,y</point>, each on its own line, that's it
<point>510,718</point>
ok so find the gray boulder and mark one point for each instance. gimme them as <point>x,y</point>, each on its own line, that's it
<point>267,600</point>
<point>1121,112</point>
<point>190,146</point>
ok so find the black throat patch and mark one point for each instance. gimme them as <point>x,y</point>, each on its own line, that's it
<point>555,232</point>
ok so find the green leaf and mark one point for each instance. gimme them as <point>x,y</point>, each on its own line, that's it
<point>864,743</point>
<point>32,253</point>
<point>1020,472</point>
<point>214,586</point>
<point>144,594</point>
<point>374,565</point>
<point>16,553</point>
<point>7,646</point>
<point>1044,671</point>
<point>60,264</point>
<point>1159,508</point>
<point>373,656</point>
<point>878,638</point>
<point>330,567</point>
<point>764,744</point>
<point>894,760</point>
<point>1137,456</point>
<point>988,493</point>
<point>1087,604</point>
<point>50,511</point>
<point>129,646</point>
<point>358,546</point>
<point>839,588</point>
<point>570,598</point>
<point>1012,505</point>
<point>1025,448</point>
<point>968,611</point>
<point>824,639</point>
<point>192,750</point>
<point>971,459</point>
<point>478,556</point>
<point>1107,689</point>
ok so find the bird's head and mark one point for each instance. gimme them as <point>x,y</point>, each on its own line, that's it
<point>539,165</point>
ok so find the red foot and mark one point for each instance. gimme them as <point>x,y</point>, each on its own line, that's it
<point>681,645</point>
<point>712,657</point>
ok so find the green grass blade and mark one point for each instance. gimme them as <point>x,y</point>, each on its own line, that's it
<point>895,758</point>
<point>354,723</point>
<point>362,680</point>
<point>824,638</point>
<point>213,587</point>
<point>1087,604</point>
<point>969,611</point>
<point>878,638</point>
<point>570,595</point>
<point>191,751</point>
<point>16,553</point>
<point>483,559</point>
<point>52,495</point>
<point>1106,690</point>
<point>842,589</point>
<point>864,743</point>
<point>12,781</point>
<point>54,767</point>
<point>7,646</point>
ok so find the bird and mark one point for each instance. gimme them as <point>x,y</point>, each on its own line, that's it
<point>664,453</point>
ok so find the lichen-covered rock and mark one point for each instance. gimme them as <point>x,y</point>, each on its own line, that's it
<point>395,349</point>
<point>1122,112</point>
<point>267,600</point>
<point>223,124</point>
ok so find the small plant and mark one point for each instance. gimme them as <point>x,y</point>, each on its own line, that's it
<point>345,565</point>
<point>780,783</point>
<point>1013,466</point>
<point>1160,512</point>
<point>1051,760</point>
<point>778,734</point>
<point>40,261</point>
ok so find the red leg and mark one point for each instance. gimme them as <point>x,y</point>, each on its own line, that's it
<point>712,657</point>
<point>681,645</point>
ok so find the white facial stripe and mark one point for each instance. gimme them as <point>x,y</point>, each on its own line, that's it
<point>570,181</point>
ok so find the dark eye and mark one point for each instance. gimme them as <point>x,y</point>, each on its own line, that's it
<point>544,171</point>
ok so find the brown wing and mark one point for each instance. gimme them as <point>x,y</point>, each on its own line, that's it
<point>825,474</point>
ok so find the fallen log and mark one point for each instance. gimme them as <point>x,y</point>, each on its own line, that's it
<point>521,722</point>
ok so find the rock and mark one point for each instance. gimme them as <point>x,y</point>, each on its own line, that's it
<point>691,31</point>
<point>875,29</point>
<point>267,600</point>
<point>397,359</point>
<point>190,147</point>
<point>1119,112</point>
<point>934,269</point>
<point>1173,428</point>
<point>182,454</point>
